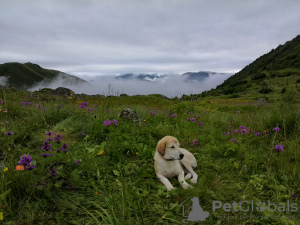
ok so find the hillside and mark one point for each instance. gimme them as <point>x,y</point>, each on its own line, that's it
<point>26,75</point>
<point>275,71</point>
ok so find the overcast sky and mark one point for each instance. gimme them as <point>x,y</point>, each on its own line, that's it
<point>91,37</point>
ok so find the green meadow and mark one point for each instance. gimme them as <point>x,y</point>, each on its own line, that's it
<point>101,172</point>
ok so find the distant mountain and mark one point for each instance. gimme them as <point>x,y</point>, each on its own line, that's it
<point>26,75</point>
<point>141,77</point>
<point>186,77</point>
<point>274,71</point>
<point>195,76</point>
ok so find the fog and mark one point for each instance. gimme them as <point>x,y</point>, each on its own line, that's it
<point>170,86</point>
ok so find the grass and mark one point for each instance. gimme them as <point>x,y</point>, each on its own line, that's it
<point>114,182</point>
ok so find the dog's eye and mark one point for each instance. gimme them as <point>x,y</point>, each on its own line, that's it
<point>172,146</point>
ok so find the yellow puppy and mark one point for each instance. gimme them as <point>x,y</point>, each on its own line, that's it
<point>171,160</point>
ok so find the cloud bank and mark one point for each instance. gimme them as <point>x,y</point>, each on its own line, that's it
<point>170,86</point>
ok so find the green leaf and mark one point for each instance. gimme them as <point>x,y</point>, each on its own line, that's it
<point>4,194</point>
<point>116,172</point>
<point>75,174</point>
<point>58,183</point>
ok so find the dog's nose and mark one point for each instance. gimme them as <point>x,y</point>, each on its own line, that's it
<point>181,155</point>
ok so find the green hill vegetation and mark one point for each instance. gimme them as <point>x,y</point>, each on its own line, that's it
<point>277,71</point>
<point>26,75</point>
<point>84,171</point>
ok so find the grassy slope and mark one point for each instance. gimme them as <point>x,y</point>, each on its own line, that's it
<point>119,186</point>
<point>277,69</point>
<point>27,74</point>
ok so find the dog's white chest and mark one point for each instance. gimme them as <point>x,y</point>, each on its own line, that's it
<point>169,168</point>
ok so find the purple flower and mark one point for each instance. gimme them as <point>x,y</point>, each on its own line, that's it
<point>257,134</point>
<point>174,115</point>
<point>77,162</point>
<point>45,155</point>
<point>46,146</point>
<point>200,124</point>
<point>49,133</point>
<point>153,113</point>
<point>238,112</point>
<point>64,148</point>
<point>277,129</point>
<point>165,109</point>
<point>193,120</point>
<point>83,104</point>
<point>279,148</point>
<point>1,101</point>
<point>233,140</point>
<point>106,123</point>
<point>9,133</point>
<point>83,134</point>
<point>57,138</point>
<point>26,161</point>
<point>195,142</point>
<point>58,106</point>
<point>293,196</point>
<point>53,172</point>
<point>115,122</point>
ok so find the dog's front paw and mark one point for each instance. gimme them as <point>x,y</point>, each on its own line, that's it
<point>194,180</point>
<point>186,185</point>
<point>170,188</point>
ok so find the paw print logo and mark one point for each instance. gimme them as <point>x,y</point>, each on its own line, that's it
<point>260,206</point>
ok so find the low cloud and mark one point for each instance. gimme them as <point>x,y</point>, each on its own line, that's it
<point>170,86</point>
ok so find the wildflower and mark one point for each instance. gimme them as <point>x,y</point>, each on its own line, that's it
<point>9,133</point>
<point>234,140</point>
<point>46,146</point>
<point>6,169</point>
<point>195,142</point>
<point>26,161</point>
<point>1,101</point>
<point>277,129</point>
<point>45,155</point>
<point>174,115</point>
<point>153,113</point>
<point>57,138</point>
<point>106,123</point>
<point>64,148</point>
<point>192,120</point>
<point>53,172</point>
<point>5,110</point>
<point>49,133</point>
<point>257,134</point>
<point>279,148</point>
<point>77,162</point>
<point>58,106</point>
<point>293,196</point>
<point>238,112</point>
<point>83,104</point>
<point>115,122</point>
<point>83,134</point>
<point>164,109</point>
<point>200,124</point>
<point>190,112</point>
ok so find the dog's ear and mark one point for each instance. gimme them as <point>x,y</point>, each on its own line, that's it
<point>161,147</point>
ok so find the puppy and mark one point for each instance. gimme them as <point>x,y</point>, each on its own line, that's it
<point>171,160</point>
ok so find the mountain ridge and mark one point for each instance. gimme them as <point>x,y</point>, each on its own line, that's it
<point>23,76</point>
